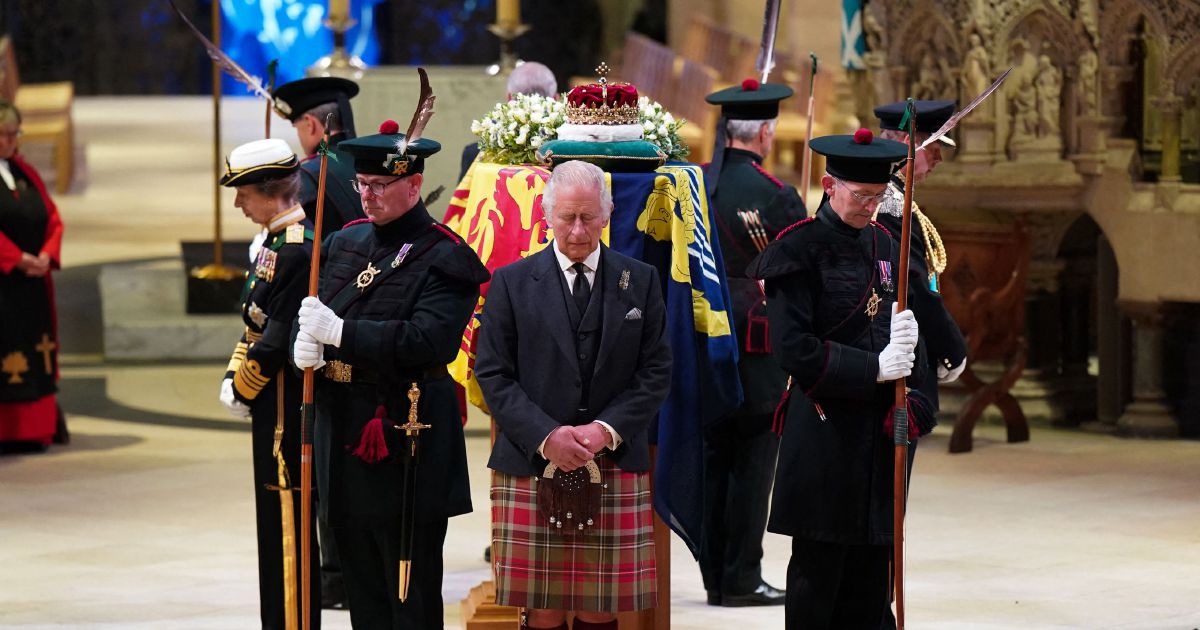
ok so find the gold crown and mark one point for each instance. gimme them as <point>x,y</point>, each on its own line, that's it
<point>616,108</point>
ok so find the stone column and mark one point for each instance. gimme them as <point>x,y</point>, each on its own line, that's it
<point>1170,107</point>
<point>1148,415</point>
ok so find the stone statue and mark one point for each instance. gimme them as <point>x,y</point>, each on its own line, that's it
<point>929,81</point>
<point>975,70</point>
<point>1088,16</point>
<point>873,32</point>
<point>1048,87</point>
<point>1089,68</point>
<point>1024,114</point>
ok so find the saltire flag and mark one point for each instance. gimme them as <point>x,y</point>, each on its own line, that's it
<point>664,219</point>
<point>854,44</point>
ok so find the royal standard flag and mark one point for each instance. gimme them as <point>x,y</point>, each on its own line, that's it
<point>662,218</point>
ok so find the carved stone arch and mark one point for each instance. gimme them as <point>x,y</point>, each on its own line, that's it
<point>1060,36</point>
<point>925,30</point>
<point>1183,70</point>
<point>1119,18</point>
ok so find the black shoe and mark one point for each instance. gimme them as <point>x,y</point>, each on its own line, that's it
<point>764,595</point>
<point>714,598</point>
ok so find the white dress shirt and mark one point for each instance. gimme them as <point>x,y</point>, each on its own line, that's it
<point>590,264</point>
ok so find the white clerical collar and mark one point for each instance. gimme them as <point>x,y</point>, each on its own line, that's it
<point>592,262</point>
<point>6,175</point>
<point>286,218</point>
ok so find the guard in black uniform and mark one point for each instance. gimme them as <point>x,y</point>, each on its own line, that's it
<point>944,341</point>
<point>266,175</point>
<point>400,289</point>
<point>751,207</point>
<point>831,284</point>
<point>306,103</point>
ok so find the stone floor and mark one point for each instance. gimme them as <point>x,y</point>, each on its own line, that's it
<point>146,519</point>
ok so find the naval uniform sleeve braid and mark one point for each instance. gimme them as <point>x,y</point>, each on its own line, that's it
<point>265,357</point>
<point>238,356</point>
<point>822,369</point>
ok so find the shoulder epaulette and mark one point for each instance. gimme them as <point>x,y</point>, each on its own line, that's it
<point>356,222</point>
<point>769,176</point>
<point>880,226</point>
<point>794,226</point>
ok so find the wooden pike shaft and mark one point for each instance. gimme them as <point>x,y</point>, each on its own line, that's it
<point>900,469</point>
<point>307,412</point>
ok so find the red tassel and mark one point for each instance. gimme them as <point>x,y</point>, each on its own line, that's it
<point>372,447</point>
<point>914,431</point>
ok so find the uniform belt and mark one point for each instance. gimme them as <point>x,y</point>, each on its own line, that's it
<point>342,372</point>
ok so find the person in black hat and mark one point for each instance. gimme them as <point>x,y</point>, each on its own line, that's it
<point>947,348</point>
<point>831,284</point>
<point>266,175</point>
<point>397,290</point>
<point>750,208</point>
<point>307,103</point>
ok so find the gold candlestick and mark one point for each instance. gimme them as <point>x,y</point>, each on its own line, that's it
<point>507,32</point>
<point>339,62</point>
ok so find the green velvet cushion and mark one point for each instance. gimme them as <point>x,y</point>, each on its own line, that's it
<point>615,157</point>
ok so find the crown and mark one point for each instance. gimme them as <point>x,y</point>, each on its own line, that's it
<point>603,103</point>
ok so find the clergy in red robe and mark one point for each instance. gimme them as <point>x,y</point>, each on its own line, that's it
<point>30,242</point>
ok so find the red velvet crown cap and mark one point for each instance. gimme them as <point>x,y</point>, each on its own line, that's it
<point>592,95</point>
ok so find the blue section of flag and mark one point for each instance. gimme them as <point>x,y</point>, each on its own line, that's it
<point>292,31</point>
<point>854,44</point>
<point>673,231</point>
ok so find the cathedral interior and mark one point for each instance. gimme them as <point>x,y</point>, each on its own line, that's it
<point>1059,490</point>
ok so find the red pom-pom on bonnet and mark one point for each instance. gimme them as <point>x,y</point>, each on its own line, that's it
<point>750,85</point>
<point>863,136</point>
<point>389,126</point>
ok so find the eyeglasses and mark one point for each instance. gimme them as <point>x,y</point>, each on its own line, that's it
<point>861,198</point>
<point>376,188</point>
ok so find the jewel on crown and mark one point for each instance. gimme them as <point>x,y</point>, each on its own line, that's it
<point>603,103</point>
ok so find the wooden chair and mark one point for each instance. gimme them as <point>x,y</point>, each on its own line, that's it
<point>694,81</point>
<point>984,289</point>
<point>45,112</point>
<point>648,65</point>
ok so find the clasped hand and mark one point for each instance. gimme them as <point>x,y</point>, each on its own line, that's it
<point>34,266</point>
<point>571,447</point>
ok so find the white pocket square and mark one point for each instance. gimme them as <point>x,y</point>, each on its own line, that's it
<point>634,313</point>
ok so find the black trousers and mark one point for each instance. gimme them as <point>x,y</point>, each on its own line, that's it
<point>371,571</point>
<point>739,467</point>
<point>268,512</point>
<point>834,586</point>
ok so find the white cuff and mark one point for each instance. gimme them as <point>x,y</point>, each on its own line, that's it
<point>612,433</point>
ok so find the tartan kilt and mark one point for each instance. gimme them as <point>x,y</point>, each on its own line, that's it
<point>608,568</point>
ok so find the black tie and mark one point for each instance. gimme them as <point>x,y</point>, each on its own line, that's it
<point>580,289</point>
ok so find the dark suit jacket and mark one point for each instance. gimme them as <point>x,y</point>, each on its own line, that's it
<point>528,372</point>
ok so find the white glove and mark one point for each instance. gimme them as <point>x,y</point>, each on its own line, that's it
<point>307,352</point>
<point>904,327</point>
<point>235,406</point>
<point>896,360</point>
<point>320,322</point>
<point>949,376</point>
